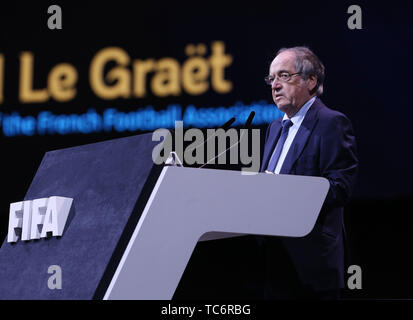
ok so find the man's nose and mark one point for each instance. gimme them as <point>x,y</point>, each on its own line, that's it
<point>276,84</point>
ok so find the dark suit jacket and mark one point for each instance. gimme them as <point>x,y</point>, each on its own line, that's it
<point>324,146</point>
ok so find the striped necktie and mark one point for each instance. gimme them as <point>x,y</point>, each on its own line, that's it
<point>276,155</point>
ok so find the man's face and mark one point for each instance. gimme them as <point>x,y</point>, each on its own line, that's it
<point>291,95</point>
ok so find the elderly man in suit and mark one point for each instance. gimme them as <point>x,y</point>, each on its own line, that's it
<point>310,140</point>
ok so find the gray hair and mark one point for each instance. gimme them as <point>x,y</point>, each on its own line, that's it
<point>308,64</point>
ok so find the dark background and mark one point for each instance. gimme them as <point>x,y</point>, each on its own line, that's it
<point>368,77</point>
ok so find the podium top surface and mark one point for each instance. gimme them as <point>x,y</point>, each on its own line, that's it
<point>288,204</point>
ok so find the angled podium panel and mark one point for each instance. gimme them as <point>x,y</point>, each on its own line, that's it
<point>106,181</point>
<point>187,203</point>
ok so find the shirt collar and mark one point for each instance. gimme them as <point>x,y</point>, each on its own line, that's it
<point>301,113</point>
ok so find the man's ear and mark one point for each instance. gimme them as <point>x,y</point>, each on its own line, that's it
<point>312,82</point>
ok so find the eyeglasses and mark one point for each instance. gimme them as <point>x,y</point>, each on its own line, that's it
<point>282,76</point>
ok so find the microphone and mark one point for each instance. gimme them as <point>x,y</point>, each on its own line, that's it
<point>246,126</point>
<point>249,120</point>
<point>227,124</point>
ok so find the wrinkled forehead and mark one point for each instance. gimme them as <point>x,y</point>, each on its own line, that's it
<point>283,62</point>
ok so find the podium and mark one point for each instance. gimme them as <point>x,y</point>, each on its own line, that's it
<point>135,224</point>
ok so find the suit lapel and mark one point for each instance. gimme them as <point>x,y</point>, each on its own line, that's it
<point>301,137</point>
<point>271,143</point>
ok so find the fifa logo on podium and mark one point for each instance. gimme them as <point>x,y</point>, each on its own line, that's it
<point>39,218</point>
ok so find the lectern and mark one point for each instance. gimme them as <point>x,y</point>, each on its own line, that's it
<point>136,224</point>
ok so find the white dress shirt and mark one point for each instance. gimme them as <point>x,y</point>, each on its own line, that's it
<point>297,119</point>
